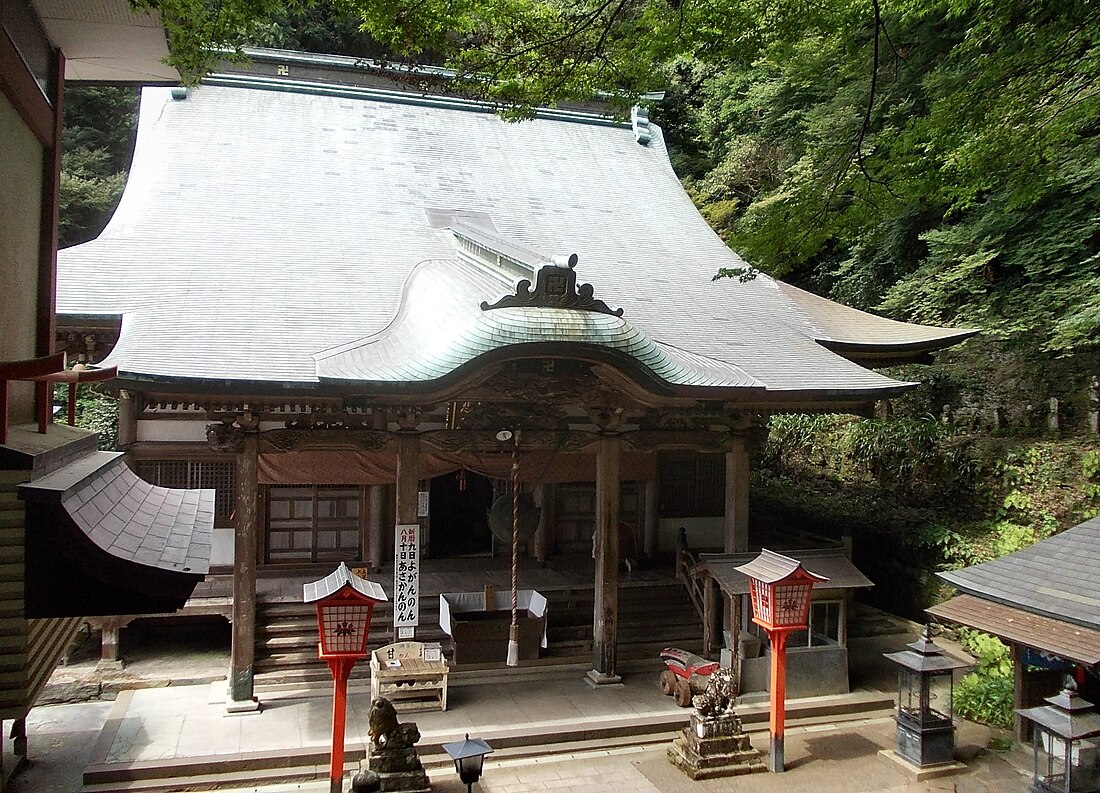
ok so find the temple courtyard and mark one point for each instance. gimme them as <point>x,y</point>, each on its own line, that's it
<point>549,729</point>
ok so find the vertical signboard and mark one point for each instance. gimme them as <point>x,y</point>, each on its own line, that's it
<point>406,580</point>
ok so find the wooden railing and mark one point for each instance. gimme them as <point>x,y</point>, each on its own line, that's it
<point>44,372</point>
<point>685,560</point>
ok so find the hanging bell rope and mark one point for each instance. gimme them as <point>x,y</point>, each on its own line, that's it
<point>513,630</point>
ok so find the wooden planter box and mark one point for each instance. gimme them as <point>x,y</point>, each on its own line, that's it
<point>481,637</point>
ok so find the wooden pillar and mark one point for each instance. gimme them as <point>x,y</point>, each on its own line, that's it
<point>708,618</point>
<point>408,476</point>
<point>737,496</point>
<point>376,495</point>
<point>544,495</point>
<point>110,629</point>
<point>246,534</point>
<point>127,420</point>
<point>605,617</point>
<point>1019,724</point>
<point>733,625</point>
<point>649,519</point>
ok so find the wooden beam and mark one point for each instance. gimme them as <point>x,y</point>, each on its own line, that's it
<point>46,331</point>
<point>737,496</point>
<point>243,648</point>
<point>21,89</point>
<point>605,616</point>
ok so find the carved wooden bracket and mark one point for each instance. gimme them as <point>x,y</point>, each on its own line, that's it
<point>555,287</point>
<point>225,437</point>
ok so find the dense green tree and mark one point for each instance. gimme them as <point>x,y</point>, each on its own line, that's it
<point>97,141</point>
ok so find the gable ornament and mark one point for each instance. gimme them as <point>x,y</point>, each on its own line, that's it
<point>555,287</point>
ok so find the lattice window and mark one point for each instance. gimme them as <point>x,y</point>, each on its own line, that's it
<point>218,475</point>
<point>692,485</point>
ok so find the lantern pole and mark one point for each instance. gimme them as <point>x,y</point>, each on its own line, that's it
<point>341,671</point>
<point>513,629</point>
<point>778,696</point>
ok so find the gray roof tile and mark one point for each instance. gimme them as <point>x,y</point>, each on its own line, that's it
<point>1055,578</point>
<point>222,190</point>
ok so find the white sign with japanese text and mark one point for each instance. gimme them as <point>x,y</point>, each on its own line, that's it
<point>406,575</point>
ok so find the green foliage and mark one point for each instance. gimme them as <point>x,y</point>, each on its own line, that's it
<point>986,694</point>
<point>985,698</point>
<point>96,142</point>
<point>94,411</point>
<point>937,163</point>
<point>913,455</point>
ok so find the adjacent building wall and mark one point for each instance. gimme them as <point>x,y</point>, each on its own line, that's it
<point>21,170</point>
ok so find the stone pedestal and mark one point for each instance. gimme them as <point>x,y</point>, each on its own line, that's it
<point>714,746</point>
<point>397,764</point>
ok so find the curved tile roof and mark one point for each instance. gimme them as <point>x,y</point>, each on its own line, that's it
<point>448,293</point>
<point>128,518</point>
<point>260,227</point>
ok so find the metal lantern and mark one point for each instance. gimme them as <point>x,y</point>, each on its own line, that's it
<point>781,588</point>
<point>1067,743</point>
<point>926,730</point>
<point>469,757</point>
<point>345,603</point>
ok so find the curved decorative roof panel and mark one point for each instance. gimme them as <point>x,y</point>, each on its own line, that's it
<point>446,295</point>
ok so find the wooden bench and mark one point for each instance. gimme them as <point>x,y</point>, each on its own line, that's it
<point>399,673</point>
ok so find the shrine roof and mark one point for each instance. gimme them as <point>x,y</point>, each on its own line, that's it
<point>1054,578</point>
<point>129,518</point>
<point>829,563</point>
<point>289,238</point>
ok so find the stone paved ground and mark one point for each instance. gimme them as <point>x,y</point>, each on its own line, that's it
<point>843,758</point>
<point>825,759</point>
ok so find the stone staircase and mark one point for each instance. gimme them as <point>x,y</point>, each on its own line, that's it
<point>652,615</point>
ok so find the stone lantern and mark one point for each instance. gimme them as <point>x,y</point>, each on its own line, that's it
<point>926,729</point>
<point>1067,743</point>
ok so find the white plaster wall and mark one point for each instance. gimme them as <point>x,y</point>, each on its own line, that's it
<point>171,430</point>
<point>701,532</point>
<point>21,163</point>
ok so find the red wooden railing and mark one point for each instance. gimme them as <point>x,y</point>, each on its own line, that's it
<point>44,372</point>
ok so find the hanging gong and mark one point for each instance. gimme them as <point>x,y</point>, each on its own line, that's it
<point>500,517</point>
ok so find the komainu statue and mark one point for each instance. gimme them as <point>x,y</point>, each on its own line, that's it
<point>720,695</point>
<point>381,721</point>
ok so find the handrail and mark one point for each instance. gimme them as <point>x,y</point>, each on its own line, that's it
<point>44,372</point>
<point>685,560</point>
<point>35,369</point>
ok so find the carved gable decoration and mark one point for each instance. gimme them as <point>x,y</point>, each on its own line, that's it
<point>555,287</point>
